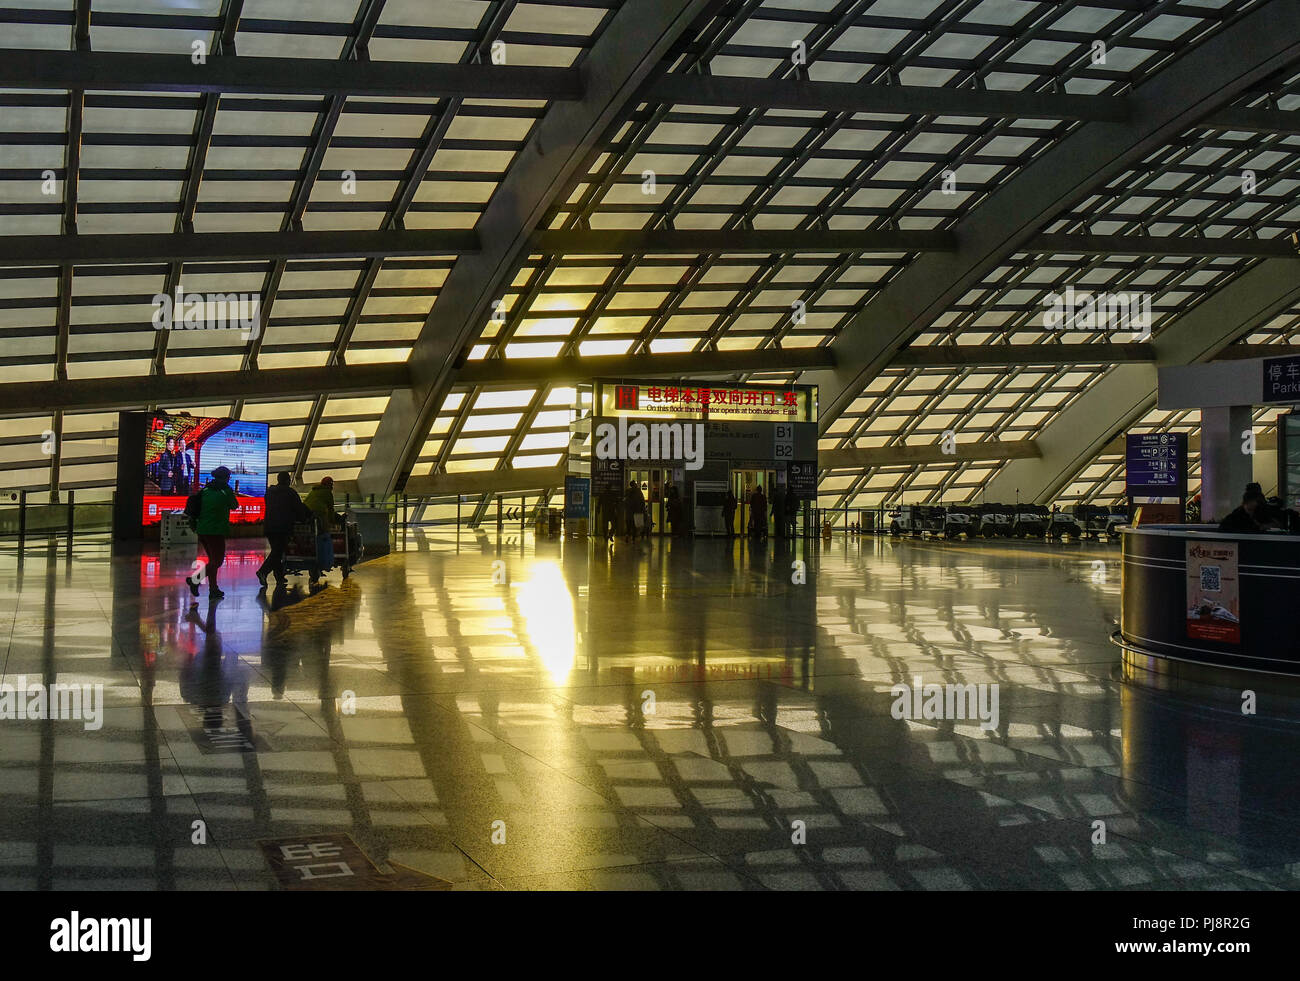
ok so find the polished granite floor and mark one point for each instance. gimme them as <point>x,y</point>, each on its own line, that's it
<point>520,715</point>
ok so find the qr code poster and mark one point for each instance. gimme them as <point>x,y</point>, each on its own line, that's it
<point>1213,604</point>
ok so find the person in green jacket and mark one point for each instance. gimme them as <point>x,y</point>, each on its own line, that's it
<point>320,501</point>
<point>217,500</point>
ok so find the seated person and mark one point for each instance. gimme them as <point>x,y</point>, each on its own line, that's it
<point>1252,517</point>
<point>1287,518</point>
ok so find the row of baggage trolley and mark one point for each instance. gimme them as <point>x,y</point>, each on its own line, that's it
<point>1006,521</point>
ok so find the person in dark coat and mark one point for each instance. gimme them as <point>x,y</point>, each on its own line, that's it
<point>778,510</point>
<point>675,510</point>
<point>168,468</point>
<point>758,512</point>
<point>1248,519</point>
<point>729,512</point>
<point>284,508</point>
<point>609,509</point>
<point>633,506</point>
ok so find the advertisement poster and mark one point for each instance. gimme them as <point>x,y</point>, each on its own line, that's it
<point>577,497</point>
<point>1213,606</point>
<point>181,451</point>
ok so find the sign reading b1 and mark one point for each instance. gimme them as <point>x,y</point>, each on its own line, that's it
<point>1155,465</point>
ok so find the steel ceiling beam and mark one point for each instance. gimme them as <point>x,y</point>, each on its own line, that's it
<point>581,241</point>
<point>500,371</point>
<point>198,388</point>
<point>1162,245</point>
<point>135,71</point>
<point>435,131</point>
<point>999,355</point>
<point>394,240</point>
<point>472,484</point>
<point>884,456</point>
<point>895,100</point>
<point>907,100</point>
<point>223,45</point>
<point>71,194</point>
<point>81,250</point>
<point>1243,54</point>
<point>1244,120</point>
<point>629,50</point>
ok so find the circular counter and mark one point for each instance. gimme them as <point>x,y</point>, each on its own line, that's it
<point>1193,594</point>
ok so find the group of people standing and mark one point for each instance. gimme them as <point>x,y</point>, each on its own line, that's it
<point>622,513</point>
<point>174,471</point>
<point>626,514</point>
<point>784,511</point>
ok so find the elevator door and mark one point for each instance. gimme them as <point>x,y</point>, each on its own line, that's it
<point>743,484</point>
<point>652,489</point>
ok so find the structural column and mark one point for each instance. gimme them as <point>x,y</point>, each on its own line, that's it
<point>1225,469</point>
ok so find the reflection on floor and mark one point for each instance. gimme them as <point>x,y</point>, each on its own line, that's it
<point>668,716</point>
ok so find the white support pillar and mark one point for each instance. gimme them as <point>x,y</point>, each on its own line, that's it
<point>1225,469</point>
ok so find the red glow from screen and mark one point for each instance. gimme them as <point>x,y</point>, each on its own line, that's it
<point>251,509</point>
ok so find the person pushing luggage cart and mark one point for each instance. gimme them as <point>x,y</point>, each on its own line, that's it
<point>320,502</point>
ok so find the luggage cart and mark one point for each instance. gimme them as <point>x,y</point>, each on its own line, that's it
<point>300,555</point>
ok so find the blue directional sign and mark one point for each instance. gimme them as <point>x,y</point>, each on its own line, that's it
<point>1155,465</point>
<point>1282,379</point>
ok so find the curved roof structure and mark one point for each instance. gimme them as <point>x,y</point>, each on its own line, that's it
<point>450,211</point>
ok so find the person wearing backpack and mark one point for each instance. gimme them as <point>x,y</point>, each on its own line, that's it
<point>216,501</point>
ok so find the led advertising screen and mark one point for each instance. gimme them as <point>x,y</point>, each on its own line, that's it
<point>181,451</point>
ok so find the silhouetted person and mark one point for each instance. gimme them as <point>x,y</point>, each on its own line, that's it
<point>320,501</point>
<point>284,508</point>
<point>609,508</point>
<point>634,511</point>
<point>729,503</point>
<point>675,510</point>
<point>1248,519</point>
<point>216,501</point>
<point>778,510</point>
<point>1287,518</point>
<point>758,514</point>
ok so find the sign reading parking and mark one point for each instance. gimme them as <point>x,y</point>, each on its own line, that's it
<point>1282,379</point>
<point>1155,465</point>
